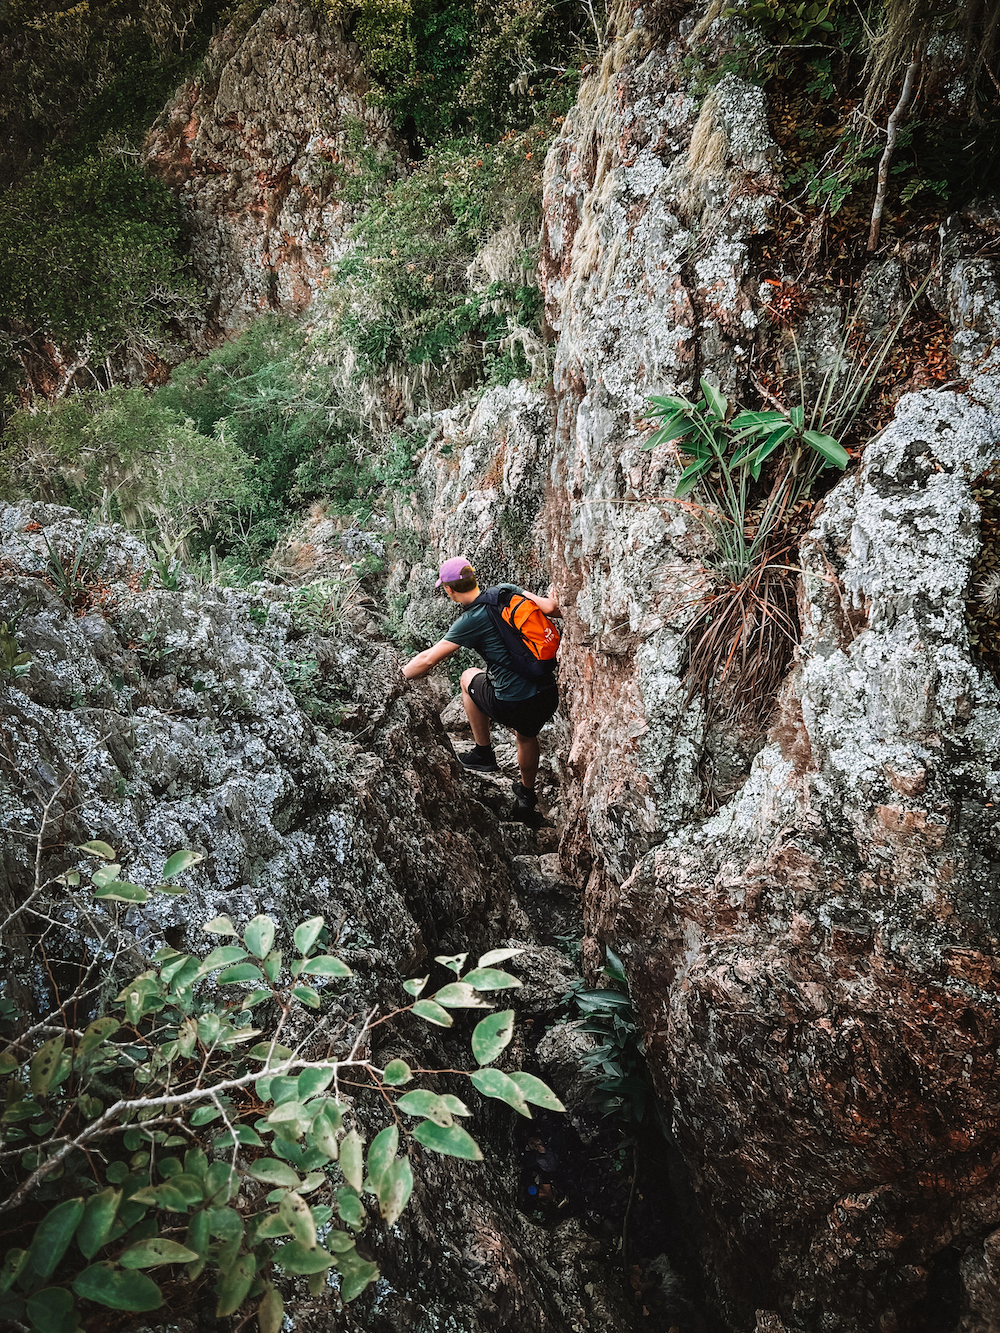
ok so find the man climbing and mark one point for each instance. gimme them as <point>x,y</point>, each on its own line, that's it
<point>500,693</point>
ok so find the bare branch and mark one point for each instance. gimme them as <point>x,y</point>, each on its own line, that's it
<point>892,133</point>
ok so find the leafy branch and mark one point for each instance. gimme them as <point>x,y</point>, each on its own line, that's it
<point>168,1069</point>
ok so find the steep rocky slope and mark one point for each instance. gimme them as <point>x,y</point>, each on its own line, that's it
<point>809,921</point>
<point>815,964</point>
<point>157,719</point>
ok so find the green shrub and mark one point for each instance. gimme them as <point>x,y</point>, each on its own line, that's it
<point>446,68</point>
<point>443,273</point>
<point>90,255</point>
<point>122,451</point>
<point>268,397</point>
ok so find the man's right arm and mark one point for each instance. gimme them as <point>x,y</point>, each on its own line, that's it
<point>429,658</point>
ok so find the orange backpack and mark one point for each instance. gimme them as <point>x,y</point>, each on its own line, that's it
<point>529,635</point>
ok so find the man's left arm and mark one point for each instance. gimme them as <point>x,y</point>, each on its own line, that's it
<point>429,658</point>
<point>549,605</point>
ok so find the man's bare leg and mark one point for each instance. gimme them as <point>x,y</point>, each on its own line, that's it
<point>478,720</point>
<point>528,751</point>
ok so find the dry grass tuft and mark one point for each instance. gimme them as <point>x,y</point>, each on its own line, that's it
<point>741,641</point>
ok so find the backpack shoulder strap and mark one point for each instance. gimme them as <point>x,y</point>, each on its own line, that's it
<point>491,597</point>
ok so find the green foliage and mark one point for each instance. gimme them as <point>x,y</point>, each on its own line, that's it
<point>727,453</point>
<point>72,73</point>
<point>159,1087</point>
<point>441,288</point>
<point>814,56</point>
<point>450,67</point>
<point>625,1089</point>
<point>90,253</point>
<point>13,662</point>
<point>791,22</point>
<point>268,397</point>
<point>123,451</point>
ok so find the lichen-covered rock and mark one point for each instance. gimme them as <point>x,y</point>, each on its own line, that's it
<point>646,269</point>
<point>257,148</point>
<point>478,490</point>
<point>817,965</point>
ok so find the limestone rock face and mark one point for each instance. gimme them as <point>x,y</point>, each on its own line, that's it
<point>816,964</point>
<point>647,280</point>
<point>479,488</point>
<point>257,151</point>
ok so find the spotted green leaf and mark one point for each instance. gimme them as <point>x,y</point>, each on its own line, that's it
<point>433,1013</point>
<point>52,1237</point>
<point>235,1285</point>
<point>397,1186</point>
<point>181,861</point>
<point>452,1141</point>
<point>490,978</point>
<point>272,1172</point>
<point>352,1159</point>
<point>423,1102</point>
<point>491,1035</point>
<point>298,1259</point>
<point>97,848</point>
<point>155,1251</point>
<point>538,1093</point>
<point>118,1289</point>
<point>259,936</point>
<point>307,933</point>
<point>494,1083</point>
<point>459,995</point>
<point>297,1216</point>
<point>98,1219</point>
<point>219,925</point>
<point>381,1155</point>
<point>98,1031</point>
<point>455,962</point>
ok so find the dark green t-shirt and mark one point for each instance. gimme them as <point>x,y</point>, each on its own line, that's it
<point>475,629</point>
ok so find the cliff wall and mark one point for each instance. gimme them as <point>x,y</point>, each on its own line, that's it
<point>815,964</point>
<point>808,918</point>
<point>258,148</point>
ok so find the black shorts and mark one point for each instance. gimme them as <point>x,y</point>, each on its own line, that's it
<point>526,716</point>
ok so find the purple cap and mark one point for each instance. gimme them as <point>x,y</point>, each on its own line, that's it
<point>454,569</point>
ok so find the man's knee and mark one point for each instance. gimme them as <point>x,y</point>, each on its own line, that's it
<point>467,675</point>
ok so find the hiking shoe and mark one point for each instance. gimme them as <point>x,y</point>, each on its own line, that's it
<point>526,798</point>
<point>480,759</point>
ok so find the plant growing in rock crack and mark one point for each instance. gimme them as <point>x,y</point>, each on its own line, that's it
<point>14,663</point>
<point>745,627</point>
<point>152,1138</point>
<point>625,1089</point>
<point>66,574</point>
<point>743,630</point>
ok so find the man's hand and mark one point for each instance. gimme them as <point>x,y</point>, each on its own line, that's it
<point>549,605</point>
<point>429,658</point>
